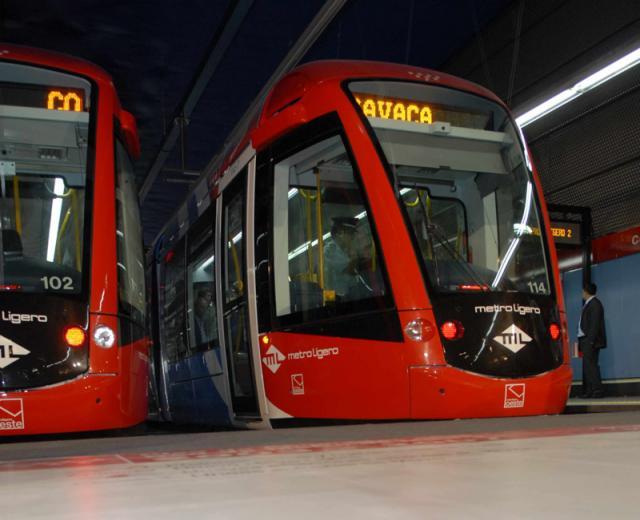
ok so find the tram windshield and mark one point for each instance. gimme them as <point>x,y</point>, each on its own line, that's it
<point>465,184</point>
<point>44,134</point>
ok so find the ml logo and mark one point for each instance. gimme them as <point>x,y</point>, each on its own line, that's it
<point>10,352</point>
<point>513,338</point>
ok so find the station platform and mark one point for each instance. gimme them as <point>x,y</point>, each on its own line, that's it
<point>604,404</point>
<point>568,466</point>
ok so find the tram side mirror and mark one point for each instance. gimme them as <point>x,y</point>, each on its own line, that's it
<point>130,130</point>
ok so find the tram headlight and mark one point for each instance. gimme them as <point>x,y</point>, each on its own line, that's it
<point>419,330</point>
<point>554,331</point>
<point>104,336</point>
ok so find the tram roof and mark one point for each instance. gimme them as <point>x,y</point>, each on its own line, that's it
<point>54,59</point>
<point>308,75</point>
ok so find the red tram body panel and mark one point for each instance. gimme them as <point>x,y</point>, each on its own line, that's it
<point>69,164</point>
<point>444,299</point>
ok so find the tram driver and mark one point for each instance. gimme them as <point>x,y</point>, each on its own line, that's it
<point>346,261</point>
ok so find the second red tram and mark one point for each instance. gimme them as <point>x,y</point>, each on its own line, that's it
<point>73,342</point>
<point>377,247</point>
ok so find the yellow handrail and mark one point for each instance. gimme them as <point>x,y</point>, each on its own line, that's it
<point>414,203</point>
<point>76,222</point>
<point>237,268</point>
<point>240,287</point>
<point>16,202</point>
<point>316,171</point>
<point>63,228</point>
<point>309,238</point>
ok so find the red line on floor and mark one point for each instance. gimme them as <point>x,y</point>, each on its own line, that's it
<point>315,447</point>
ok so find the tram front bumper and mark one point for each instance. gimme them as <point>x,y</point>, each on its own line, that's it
<point>444,392</point>
<point>90,402</point>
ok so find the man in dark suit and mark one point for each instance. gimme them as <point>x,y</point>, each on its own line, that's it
<point>591,338</point>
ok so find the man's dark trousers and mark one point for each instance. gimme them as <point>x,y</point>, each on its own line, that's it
<point>591,381</point>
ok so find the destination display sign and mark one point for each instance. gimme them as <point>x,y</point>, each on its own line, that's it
<point>42,96</point>
<point>415,111</point>
<point>565,232</point>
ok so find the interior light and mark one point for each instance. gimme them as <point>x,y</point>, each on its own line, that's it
<point>207,262</point>
<point>302,248</point>
<point>597,78</point>
<point>56,210</point>
<point>554,331</point>
<point>74,336</point>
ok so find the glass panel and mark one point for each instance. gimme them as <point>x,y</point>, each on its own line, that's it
<point>234,250</point>
<point>447,214</point>
<point>241,366</point>
<point>324,252</point>
<point>44,129</point>
<point>442,143</point>
<point>237,343</point>
<point>129,239</point>
<point>174,328</point>
<point>203,326</point>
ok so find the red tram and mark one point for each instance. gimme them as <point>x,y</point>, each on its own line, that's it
<point>73,341</point>
<point>377,247</point>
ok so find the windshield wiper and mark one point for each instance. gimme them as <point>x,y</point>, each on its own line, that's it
<point>459,259</point>
<point>433,230</point>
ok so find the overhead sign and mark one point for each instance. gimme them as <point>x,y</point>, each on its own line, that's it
<point>421,112</point>
<point>397,109</point>
<point>42,96</point>
<point>568,233</point>
<point>64,100</point>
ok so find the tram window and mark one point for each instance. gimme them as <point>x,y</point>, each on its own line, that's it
<point>448,214</point>
<point>234,261</point>
<point>129,239</point>
<point>466,148</point>
<point>44,169</point>
<point>324,252</point>
<point>173,304</point>
<point>201,311</point>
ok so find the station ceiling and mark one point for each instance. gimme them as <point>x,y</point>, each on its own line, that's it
<point>154,49</point>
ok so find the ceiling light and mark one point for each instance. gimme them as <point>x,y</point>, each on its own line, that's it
<point>588,83</point>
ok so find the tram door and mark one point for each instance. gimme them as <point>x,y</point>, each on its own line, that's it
<point>235,308</point>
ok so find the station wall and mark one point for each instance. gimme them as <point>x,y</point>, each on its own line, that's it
<point>619,291</point>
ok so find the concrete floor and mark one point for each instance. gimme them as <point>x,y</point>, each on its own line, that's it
<point>571,466</point>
